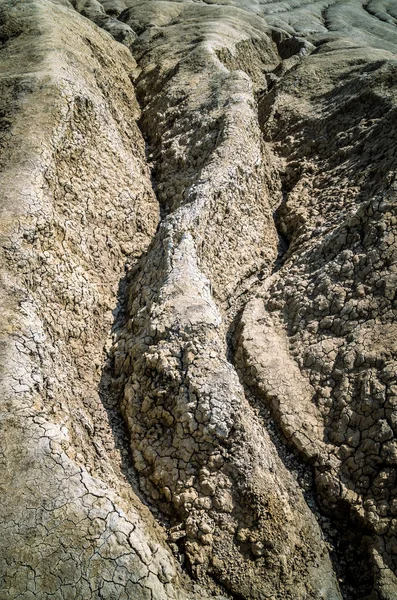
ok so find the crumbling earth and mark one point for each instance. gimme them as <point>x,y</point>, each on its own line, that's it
<point>198,332</point>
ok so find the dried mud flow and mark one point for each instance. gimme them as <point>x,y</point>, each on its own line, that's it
<point>198,291</point>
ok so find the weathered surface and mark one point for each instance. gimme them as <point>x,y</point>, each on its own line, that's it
<point>248,255</point>
<point>76,205</point>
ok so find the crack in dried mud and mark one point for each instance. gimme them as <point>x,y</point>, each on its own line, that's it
<point>252,346</point>
<point>282,245</point>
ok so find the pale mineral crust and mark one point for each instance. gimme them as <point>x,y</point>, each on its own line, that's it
<point>198,328</point>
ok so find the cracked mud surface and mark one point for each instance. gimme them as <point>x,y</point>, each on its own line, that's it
<point>198,289</point>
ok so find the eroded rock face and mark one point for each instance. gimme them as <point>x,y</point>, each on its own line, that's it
<point>214,266</point>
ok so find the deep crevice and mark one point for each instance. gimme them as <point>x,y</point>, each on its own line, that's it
<point>111,390</point>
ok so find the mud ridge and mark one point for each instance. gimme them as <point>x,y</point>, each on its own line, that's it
<point>198,287</point>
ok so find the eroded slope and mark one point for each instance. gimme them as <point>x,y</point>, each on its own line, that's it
<point>258,321</point>
<point>77,204</point>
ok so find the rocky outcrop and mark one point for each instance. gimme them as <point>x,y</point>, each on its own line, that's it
<point>198,300</point>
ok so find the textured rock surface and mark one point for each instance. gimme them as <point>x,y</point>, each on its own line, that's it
<point>198,291</point>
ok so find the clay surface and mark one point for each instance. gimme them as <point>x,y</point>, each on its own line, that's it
<point>198,330</point>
